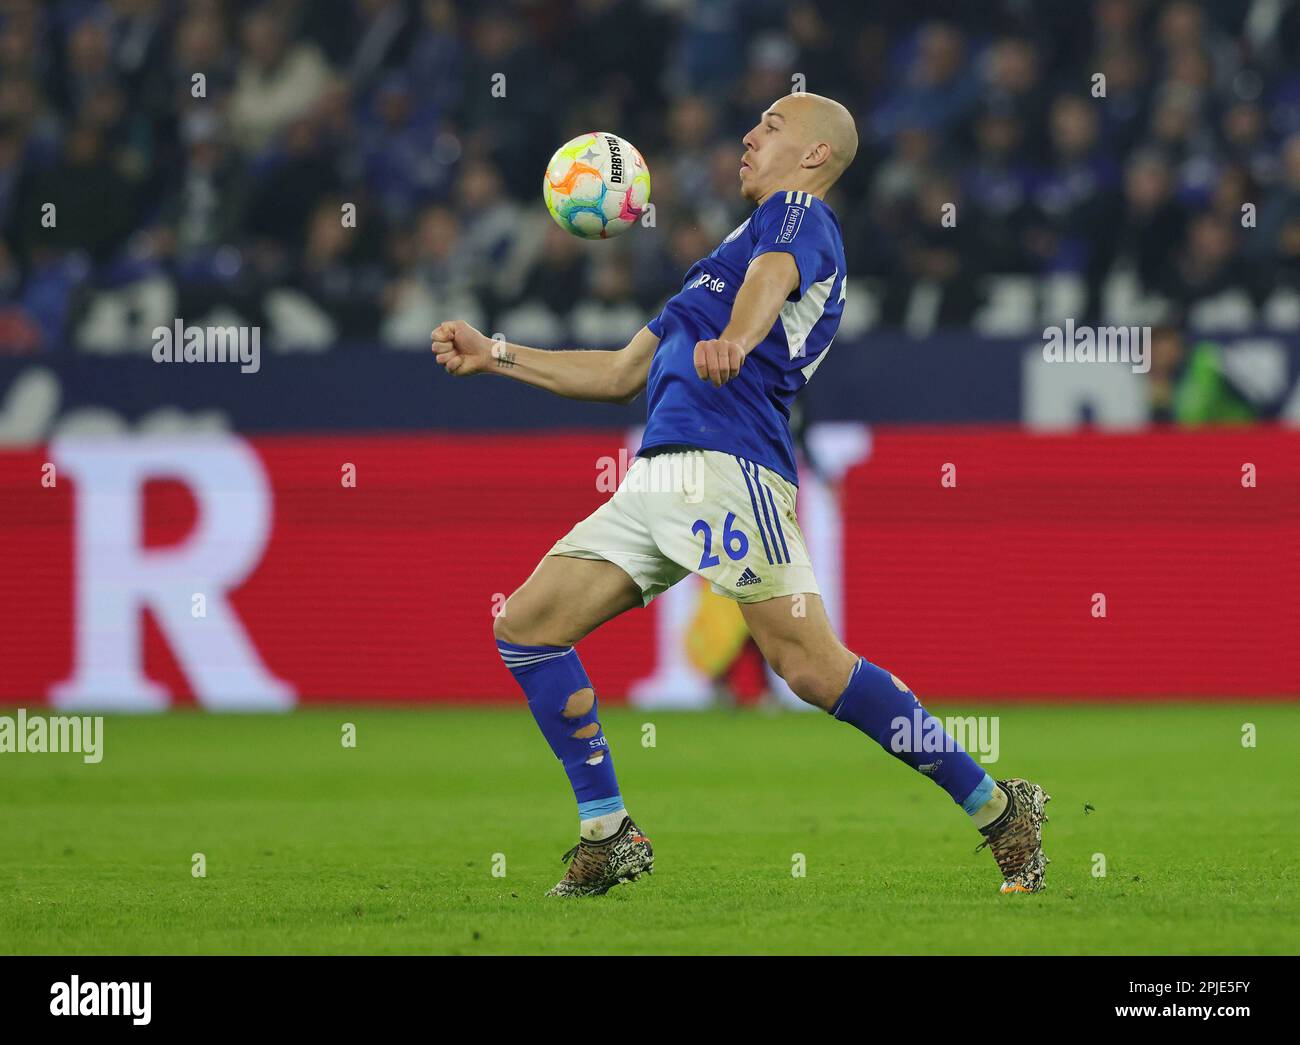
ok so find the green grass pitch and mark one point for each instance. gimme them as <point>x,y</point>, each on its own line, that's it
<point>390,847</point>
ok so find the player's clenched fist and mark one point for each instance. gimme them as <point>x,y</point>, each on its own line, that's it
<point>460,348</point>
<point>718,361</point>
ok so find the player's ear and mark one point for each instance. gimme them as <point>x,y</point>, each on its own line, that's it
<point>817,155</point>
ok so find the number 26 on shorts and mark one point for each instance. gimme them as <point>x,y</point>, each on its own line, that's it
<point>733,540</point>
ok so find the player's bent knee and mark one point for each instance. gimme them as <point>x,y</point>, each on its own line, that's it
<point>808,688</point>
<point>517,625</point>
<point>805,677</point>
<point>517,629</point>
<point>790,668</point>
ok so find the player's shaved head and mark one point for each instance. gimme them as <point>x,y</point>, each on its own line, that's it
<point>804,141</point>
<point>823,120</point>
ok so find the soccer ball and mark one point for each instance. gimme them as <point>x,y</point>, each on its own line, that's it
<point>596,186</point>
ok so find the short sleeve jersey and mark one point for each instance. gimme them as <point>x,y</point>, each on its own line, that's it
<point>749,416</point>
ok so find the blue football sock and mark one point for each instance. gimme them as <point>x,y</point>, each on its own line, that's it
<point>549,675</point>
<point>888,712</point>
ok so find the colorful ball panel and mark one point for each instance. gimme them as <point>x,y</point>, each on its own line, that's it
<point>596,186</point>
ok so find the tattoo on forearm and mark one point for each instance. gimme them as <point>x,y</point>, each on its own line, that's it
<point>503,356</point>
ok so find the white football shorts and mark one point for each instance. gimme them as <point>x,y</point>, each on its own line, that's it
<point>684,511</point>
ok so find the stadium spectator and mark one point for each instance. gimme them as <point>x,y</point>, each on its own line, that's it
<point>1278,234</point>
<point>937,91</point>
<point>1012,87</point>
<point>206,206</point>
<point>277,83</point>
<point>931,286</point>
<point>1210,264</point>
<point>1145,233</point>
<point>340,271</point>
<point>998,183</point>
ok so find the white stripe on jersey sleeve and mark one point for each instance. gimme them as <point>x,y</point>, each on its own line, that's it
<point>799,317</point>
<point>811,368</point>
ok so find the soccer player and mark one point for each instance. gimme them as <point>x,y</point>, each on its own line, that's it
<point>712,492</point>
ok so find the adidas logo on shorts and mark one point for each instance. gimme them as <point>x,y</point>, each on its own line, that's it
<point>748,577</point>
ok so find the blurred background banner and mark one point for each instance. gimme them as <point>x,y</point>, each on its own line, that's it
<point>331,180</point>
<point>245,574</point>
<point>950,377</point>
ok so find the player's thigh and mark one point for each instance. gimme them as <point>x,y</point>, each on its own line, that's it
<point>796,638</point>
<point>564,600</point>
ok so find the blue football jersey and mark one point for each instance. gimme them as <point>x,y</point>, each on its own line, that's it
<point>749,416</point>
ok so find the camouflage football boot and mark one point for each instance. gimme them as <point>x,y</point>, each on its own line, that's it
<point>596,867</point>
<point>1016,837</point>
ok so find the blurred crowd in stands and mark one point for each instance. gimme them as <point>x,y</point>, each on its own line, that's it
<point>1106,160</point>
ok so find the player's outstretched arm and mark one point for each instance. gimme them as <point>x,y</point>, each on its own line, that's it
<point>601,376</point>
<point>768,282</point>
